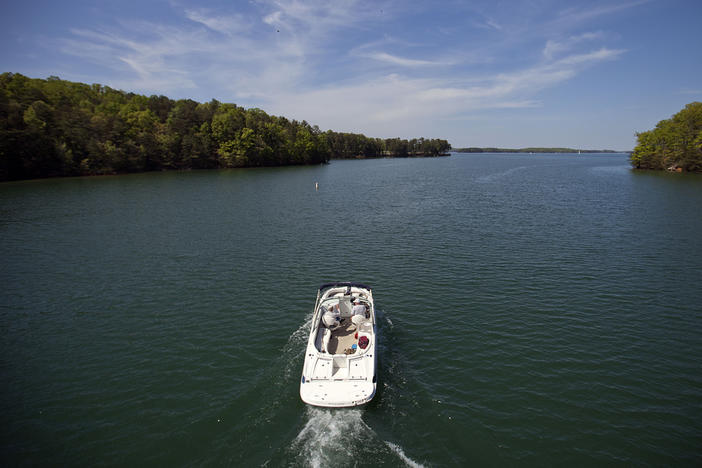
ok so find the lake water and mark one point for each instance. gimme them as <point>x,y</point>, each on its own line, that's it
<point>534,310</point>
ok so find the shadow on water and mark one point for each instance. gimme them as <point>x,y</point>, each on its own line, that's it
<point>669,177</point>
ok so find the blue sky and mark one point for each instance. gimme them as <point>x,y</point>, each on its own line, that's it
<point>581,74</point>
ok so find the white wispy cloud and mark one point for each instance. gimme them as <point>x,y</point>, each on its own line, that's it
<point>487,23</point>
<point>594,56</point>
<point>491,23</point>
<point>314,18</point>
<point>174,58</point>
<point>224,48</point>
<point>395,100</point>
<point>279,69</point>
<point>404,62</point>
<point>228,24</point>
<point>555,47</point>
<point>592,11</point>
<point>274,19</point>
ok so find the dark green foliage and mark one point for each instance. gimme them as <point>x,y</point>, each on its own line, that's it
<point>59,128</point>
<point>352,145</point>
<point>675,144</point>
<point>528,150</point>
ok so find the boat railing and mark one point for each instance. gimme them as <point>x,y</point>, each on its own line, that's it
<point>345,284</point>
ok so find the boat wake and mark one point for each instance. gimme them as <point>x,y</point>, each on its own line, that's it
<point>340,437</point>
<point>295,348</point>
<point>401,453</point>
<point>335,436</point>
<point>390,324</point>
<point>330,437</point>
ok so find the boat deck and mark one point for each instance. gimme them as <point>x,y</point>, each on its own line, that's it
<point>342,338</point>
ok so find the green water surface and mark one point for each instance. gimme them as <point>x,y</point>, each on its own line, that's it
<point>534,310</point>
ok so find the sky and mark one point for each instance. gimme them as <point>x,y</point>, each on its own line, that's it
<point>551,73</point>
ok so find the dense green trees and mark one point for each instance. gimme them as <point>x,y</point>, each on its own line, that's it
<point>529,150</point>
<point>59,128</point>
<point>675,143</point>
<point>353,145</point>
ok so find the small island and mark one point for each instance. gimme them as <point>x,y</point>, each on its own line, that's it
<point>55,128</point>
<point>675,144</point>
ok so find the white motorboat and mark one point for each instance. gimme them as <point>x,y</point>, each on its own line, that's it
<point>340,358</point>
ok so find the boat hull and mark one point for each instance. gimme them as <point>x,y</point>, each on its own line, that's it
<point>340,357</point>
<point>337,394</point>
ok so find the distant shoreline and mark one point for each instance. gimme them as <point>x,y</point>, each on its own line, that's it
<point>532,150</point>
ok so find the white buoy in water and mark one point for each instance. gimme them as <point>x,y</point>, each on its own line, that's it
<point>316,185</point>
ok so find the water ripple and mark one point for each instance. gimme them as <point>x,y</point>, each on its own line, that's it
<point>532,310</point>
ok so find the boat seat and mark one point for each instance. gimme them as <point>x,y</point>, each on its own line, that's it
<point>365,326</point>
<point>325,340</point>
<point>345,306</point>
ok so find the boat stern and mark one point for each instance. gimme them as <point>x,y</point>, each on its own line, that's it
<point>336,394</point>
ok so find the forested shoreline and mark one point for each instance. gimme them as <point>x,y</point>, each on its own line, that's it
<point>674,145</point>
<point>52,128</point>
<point>529,150</point>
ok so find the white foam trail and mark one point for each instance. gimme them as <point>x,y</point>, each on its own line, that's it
<point>301,334</point>
<point>401,453</point>
<point>332,437</point>
<point>328,436</point>
<point>296,346</point>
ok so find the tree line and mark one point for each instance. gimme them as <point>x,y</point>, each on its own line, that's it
<point>353,145</point>
<point>675,144</point>
<point>529,150</point>
<point>54,127</point>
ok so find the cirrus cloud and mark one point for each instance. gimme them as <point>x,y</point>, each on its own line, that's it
<point>317,61</point>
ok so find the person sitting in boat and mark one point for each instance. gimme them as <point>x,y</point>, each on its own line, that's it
<point>358,307</point>
<point>331,317</point>
<point>359,313</point>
